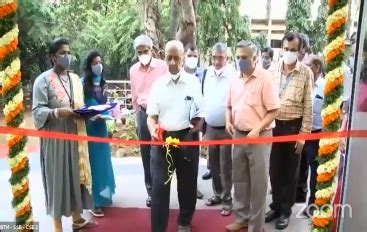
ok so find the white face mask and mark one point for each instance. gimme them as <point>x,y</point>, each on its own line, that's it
<point>144,59</point>
<point>290,57</point>
<point>97,69</point>
<point>191,62</point>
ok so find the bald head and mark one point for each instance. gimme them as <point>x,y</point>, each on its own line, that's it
<point>174,56</point>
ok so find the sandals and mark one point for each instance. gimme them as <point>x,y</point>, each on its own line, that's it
<point>97,212</point>
<point>83,223</point>
<point>213,201</point>
<point>225,212</point>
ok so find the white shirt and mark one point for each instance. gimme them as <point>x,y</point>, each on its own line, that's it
<point>175,104</point>
<point>215,95</point>
<point>318,101</point>
<point>347,83</point>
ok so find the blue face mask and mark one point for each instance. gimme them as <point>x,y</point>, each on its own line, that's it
<point>244,65</point>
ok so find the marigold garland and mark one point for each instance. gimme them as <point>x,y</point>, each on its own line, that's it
<point>174,142</point>
<point>331,114</point>
<point>12,94</point>
<point>7,9</point>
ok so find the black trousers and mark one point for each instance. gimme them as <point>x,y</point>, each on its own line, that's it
<point>284,168</point>
<point>144,134</point>
<point>185,162</point>
<point>308,161</point>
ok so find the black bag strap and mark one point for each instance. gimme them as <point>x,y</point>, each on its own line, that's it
<point>202,81</point>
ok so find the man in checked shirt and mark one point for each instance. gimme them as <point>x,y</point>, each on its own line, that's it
<point>295,81</point>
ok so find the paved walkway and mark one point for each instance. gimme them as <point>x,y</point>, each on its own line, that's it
<point>130,192</point>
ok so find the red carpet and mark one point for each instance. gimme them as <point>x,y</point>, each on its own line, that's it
<point>138,220</point>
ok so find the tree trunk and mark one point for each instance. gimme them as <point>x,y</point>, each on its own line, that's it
<point>174,19</point>
<point>150,20</point>
<point>186,33</point>
<point>268,17</point>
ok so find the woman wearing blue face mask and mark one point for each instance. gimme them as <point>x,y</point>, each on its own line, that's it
<point>103,181</point>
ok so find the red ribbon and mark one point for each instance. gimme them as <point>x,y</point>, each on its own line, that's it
<point>160,133</point>
<point>259,140</point>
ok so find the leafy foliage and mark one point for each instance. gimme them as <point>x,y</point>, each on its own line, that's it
<point>317,31</point>
<point>298,16</point>
<point>260,40</point>
<point>220,21</point>
<point>108,26</point>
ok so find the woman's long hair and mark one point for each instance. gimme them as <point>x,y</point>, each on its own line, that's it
<point>88,74</point>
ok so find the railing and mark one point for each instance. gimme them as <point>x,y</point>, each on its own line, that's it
<point>121,91</point>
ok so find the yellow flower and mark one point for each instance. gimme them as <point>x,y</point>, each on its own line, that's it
<point>172,141</point>
<point>332,75</point>
<point>333,107</point>
<point>18,186</point>
<point>13,162</point>
<point>12,104</point>
<point>326,192</point>
<point>24,203</point>
<point>336,43</point>
<point>329,166</point>
<point>9,36</point>
<point>337,15</point>
<point>329,141</point>
<point>5,2</point>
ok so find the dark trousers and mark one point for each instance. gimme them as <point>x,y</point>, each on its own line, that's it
<point>308,161</point>
<point>185,161</point>
<point>144,134</point>
<point>220,163</point>
<point>284,168</point>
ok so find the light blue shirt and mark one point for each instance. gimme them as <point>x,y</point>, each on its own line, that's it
<point>215,95</point>
<point>318,101</point>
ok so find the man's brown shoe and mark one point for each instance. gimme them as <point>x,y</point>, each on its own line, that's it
<point>236,226</point>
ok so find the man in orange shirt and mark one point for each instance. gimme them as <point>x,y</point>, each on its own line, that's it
<point>252,105</point>
<point>142,76</point>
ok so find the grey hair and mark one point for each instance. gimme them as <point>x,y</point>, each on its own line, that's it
<point>251,45</point>
<point>174,44</point>
<point>143,40</point>
<point>220,47</point>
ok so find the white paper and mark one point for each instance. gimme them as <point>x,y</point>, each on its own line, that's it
<point>101,116</point>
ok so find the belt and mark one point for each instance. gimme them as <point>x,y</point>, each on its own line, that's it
<point>218,127</point>
<point>288,122</point>
<point>179,133</point>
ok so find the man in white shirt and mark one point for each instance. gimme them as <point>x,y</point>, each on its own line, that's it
<point>191,67</point>
<point>174,105</point>
<point>215,87</point>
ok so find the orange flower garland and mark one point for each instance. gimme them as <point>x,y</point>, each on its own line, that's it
<point>14,81</point>
<point>336,25</point>
<point>326,176</point>
<point>9,117</point>
<point>328,149</point>
<point>11,47</point>
<point>331,118</point>
<point>12,93</point>
<point>330,86</point>
<point>328,152</point>
<point>330,56</point>
<point>7,9</point>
